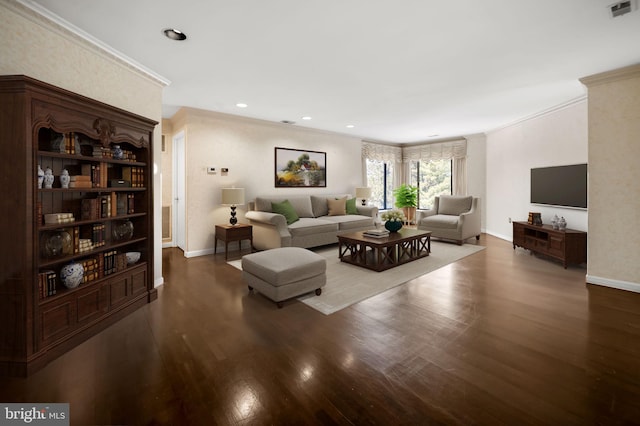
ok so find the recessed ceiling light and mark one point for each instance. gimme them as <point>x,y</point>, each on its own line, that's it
<point>306,117</point>
<point>174,34</point>
<point>350,126</point>
<point>241,105</point>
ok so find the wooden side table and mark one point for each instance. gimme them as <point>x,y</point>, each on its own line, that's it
<point>229,233</point>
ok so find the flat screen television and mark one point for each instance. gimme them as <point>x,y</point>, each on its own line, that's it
<point>564,186</point>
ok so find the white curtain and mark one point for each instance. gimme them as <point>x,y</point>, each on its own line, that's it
<point>455,150</point>
<point>385,153</point>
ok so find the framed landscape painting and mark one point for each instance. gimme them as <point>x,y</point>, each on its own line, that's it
<point>297,168</point>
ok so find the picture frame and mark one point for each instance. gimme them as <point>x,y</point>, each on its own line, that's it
<point>297,168</point>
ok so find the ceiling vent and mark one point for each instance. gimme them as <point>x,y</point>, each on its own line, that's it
<point>620,8</point>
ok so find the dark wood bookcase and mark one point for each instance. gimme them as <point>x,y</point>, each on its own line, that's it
<point>112,209</point>
<point>568,246</point>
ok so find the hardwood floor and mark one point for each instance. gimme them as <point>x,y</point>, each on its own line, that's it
<point>500,337</point>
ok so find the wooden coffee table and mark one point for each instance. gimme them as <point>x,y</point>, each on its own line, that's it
<point>384,253</point>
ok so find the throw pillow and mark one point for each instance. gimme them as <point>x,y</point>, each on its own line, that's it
<point>337,206</point>
<point>285,209</point>
<point>351,206</point>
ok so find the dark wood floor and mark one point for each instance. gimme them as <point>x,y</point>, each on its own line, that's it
<point>500,337</point>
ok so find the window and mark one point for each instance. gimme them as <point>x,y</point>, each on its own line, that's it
<point>433,178</point>
<point>380,180</point>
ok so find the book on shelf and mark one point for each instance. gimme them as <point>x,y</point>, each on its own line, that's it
<point>135,175</point>
<point>58,218</point>
<point>47,284</point>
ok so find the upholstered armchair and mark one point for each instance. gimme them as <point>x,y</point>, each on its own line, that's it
<point>452,217</point>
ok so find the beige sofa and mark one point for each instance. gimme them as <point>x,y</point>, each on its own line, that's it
<point>452,217</point>
<point>316,226</point>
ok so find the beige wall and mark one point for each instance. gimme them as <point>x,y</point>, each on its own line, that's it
<point>36,47</point>
<point>614,178</point>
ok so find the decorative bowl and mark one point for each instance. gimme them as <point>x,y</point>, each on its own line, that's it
<point>72,275</point>
<point>122,230</point>
<point>132,257</point>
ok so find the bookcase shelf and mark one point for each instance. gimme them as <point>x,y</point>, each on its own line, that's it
<point>106,153</point>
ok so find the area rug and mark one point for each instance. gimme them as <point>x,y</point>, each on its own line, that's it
<point>348,284</point>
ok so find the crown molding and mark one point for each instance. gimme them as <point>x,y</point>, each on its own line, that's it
<point>47,19</point>
<point>542,113</point>
<point>610,76</point>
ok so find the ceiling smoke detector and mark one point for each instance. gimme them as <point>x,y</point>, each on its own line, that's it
<point>621,8</point>
<point>288,122</point>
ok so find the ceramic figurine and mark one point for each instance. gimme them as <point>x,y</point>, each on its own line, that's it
<point>65,178</point>
<point>562,224</point>
<point>118,154</point>
<point>554,222</point>
<point>40,176</point>
<point>48,178</point>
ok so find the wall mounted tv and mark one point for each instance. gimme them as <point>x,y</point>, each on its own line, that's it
<point>564,186</point>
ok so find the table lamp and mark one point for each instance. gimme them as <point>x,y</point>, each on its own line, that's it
<point>364,193</point>
<point>233,197</point>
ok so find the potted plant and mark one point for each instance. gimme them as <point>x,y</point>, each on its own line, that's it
<point>406,197</point>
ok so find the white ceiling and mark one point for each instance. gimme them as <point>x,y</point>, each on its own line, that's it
<point>400,71</point>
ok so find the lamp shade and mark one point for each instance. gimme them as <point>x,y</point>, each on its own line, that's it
<point>364,192</point>
<point>232,196</point>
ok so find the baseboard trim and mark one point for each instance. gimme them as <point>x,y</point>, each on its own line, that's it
<point>196,253</point>
<point>158,282</point>
<point>618,284</point>
<point>502,237</point>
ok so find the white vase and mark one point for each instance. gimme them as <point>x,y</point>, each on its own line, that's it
<point>72,274</point>
<point>40,176</point>
<point>65,178</point>
<point>48,178</point>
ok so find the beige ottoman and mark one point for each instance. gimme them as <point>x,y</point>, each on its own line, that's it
<point>284,273</point>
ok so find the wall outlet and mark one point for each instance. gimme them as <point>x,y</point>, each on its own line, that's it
<point>211,170</point>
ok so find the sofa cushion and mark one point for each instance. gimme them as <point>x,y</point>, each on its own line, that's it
<point>337,206</point>
<point>351,206</point>
<point>350,221</point>
<point>440,221</point>
<point>301,205</point>
<point>311,226</point>
<point>454,205</point>
<point>319,203</point>
<point>285,209</point>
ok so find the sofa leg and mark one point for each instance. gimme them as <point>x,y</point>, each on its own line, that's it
<point>250,288</point>
<point>318,291</point>
<point>280,305</point>
<point>477,237</point>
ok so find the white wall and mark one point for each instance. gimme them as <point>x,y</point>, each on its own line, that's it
<point>553,138</point>
<point>246,147</point>
<point>477,171</point>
